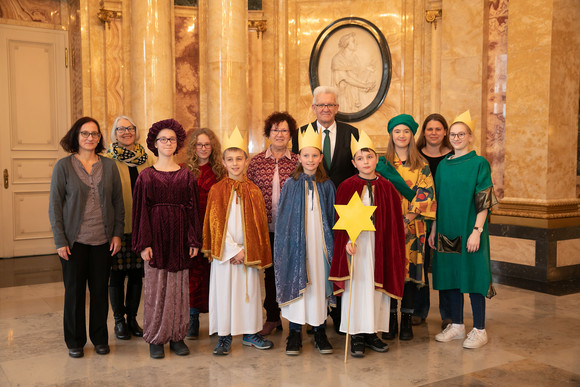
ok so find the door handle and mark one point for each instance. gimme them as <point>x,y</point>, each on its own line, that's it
<point>6,178</point>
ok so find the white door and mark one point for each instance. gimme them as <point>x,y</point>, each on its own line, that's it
<point>34,115</point>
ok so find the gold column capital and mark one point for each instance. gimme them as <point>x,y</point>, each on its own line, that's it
<point>432,15</point>
<point>106,15</point>
<point>260,26</point>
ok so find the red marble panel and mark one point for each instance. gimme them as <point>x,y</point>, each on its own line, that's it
<point>496,92</point>
<point>187,72</point>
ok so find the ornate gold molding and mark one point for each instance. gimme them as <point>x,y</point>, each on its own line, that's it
<point>260,26</point>
<point>539,209</point>
<point>432,15</point>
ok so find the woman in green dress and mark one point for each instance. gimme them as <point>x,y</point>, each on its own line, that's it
<point>460,237</point>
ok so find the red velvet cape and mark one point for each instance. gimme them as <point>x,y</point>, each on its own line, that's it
<point>390,258</point>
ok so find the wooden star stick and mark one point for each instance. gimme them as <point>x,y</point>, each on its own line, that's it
<point>354,218</point>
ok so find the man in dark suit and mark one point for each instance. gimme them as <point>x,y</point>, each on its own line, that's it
<point>336,137</point>
<point>337,158</point>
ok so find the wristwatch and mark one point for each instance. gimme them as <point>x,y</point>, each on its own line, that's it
<point>480,229</point>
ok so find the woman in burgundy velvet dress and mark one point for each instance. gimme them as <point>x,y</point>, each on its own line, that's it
<point>167,234</point>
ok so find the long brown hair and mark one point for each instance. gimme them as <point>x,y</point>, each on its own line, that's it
<point>192,161</point>
<point>422,142</point>
<point>320,176</point>
<point>414,158</point>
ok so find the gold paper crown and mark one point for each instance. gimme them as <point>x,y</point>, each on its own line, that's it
<point>309,138</point>
<point>364,141</point>
<point>236,141</point>
<point>465,118</point>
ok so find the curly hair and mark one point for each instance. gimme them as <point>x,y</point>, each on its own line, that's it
<point>165,124</point>
<point>422,142</point>
<point>276,118</point>
<point>70,141</point>
<point>192,161</point>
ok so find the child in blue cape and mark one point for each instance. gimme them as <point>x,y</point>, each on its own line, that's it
<point>303,246</point>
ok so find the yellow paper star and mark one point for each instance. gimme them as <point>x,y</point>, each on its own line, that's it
<point>354,217</point>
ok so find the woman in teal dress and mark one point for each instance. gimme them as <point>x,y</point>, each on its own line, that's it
<point>460,237</point>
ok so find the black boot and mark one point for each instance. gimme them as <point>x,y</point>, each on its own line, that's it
<point>336,314</point>
<point>406,327</point>
<point>118,306</point>
<point>393,328</point>
<point>133,300</point>
<point>193,329</point>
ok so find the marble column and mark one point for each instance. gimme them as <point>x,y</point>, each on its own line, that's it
<point>537,224</point>
<point>227,56</point>
<point>152,61</point>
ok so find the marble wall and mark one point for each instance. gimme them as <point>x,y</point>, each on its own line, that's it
<point>396,19</point>
<point>462,50</point>
<point>542,80</point>
<point>41,11</point>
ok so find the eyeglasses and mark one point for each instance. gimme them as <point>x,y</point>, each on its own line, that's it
<point>164,140</point>
<point>278,131</point>
<point>96,135</point>
<point>203,146</point>
<point>458,135</point>
<point>126,129</point>
<point>325,106</point>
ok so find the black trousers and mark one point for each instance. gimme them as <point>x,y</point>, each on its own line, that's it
<point>86,264</point>
<point>270,303</point>
<point>135,277</point>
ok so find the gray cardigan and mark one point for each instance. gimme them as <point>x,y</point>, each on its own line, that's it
<point>68,198</point>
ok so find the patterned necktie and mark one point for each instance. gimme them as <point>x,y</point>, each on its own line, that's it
<point>326,148</point>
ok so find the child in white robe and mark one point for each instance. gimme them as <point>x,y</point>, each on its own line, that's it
<point>235,237</point>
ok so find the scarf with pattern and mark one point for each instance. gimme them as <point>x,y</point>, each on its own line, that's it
<point>132,158</point>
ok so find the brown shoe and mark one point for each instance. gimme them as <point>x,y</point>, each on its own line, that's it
<point>416,320</point>
<point>444,323</point>
<point>269,326</point>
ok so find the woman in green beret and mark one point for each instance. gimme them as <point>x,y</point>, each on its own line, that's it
<point>403,155</point>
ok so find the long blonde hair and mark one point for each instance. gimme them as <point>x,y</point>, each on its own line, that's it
<point>414,158</point>
<point>192,161</point>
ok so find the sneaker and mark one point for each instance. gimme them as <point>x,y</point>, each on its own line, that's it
<point>179,348</point>
<point>321,341</point>
<point>475,339</point>
<point>452,332</point>
<point>373,342</point>
<point>256,340</point>
<point>193,329</point>
<point>223,346</point>
<point>294,343</point>
<point>357,346</point>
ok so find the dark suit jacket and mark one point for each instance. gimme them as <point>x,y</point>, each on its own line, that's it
<point>341,167</point>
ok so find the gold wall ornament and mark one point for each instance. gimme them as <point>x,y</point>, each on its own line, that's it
<point>106,15</point>
<point>432,15</point>
<point>260,26</point>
